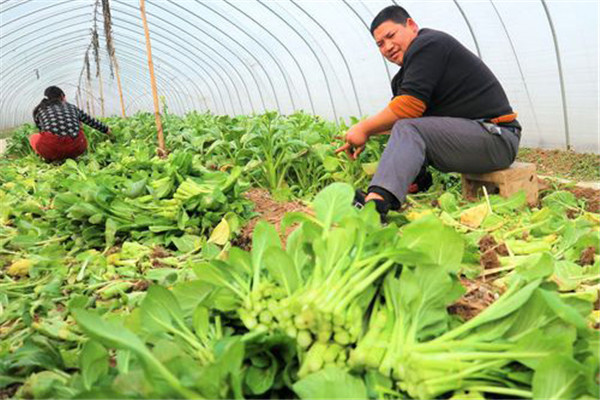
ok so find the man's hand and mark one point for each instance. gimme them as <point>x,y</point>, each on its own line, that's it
<point>356,139</point>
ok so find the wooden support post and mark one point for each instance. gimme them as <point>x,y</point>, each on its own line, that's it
<point>162,151</point>
<point>101,92</point>
<point>116,65</point>
<point>89,85</point>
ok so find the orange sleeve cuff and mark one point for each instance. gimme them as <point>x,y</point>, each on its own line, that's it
<point>406,106</point>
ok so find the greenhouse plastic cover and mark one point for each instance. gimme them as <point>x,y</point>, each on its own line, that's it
<point>241,57</point>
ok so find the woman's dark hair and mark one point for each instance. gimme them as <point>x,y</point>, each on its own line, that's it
<point>54,95</point>
<point>395,14</point>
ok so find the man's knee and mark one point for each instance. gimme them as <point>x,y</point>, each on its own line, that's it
<point>407,130</point>
<point>405,126</point>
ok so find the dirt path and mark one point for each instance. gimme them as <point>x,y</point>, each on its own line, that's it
<point>269,210</point>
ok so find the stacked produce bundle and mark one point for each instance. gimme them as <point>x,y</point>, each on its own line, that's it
<point>325,284</point>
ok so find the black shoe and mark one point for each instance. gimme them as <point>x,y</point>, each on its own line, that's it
<point>359,199</point>
<point>382,206</point>
<point>422,182</point>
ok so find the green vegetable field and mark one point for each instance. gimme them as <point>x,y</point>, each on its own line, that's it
<point>122,277</point>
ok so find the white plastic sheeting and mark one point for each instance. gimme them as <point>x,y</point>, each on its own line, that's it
<point>239,57</point>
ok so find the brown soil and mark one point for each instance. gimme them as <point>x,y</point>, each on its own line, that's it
<point>268,210</point>
<point>587,256</point>
<point>487,242</point>
<point>9,391</point>
<point>502,250</point>
<point>591,197</point>
<point>159,252</point>
<point>479,296</point>
<point>489,259</point>
<point>141,285</point>
<point>562,163</point>
<point>571,214</point>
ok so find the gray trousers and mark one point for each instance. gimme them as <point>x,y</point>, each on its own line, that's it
<point>448,144</point>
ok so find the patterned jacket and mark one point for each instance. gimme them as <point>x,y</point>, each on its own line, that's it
<point>64,120</point>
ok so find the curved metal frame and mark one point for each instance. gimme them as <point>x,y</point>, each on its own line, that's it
<point>128,46</point>
<point>20,63</point>
<point>468,26</point>
<point>157,33</point>
<point>30,93</point>
<point>5,24</point>
<point>6,44</point>
<point>339,51</point>
<point>514,51</point>
<point>385,64</point>
<point>313,52</point>
<point>241,46</point>
<point>560,75</point>
<point>275,60</point>
<point>195,65</point>
<point>133,56</point>
<point>312,106</point>
<point>159,39</point>
<point>217,53</point>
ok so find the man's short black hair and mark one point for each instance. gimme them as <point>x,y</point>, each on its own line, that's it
<point>396,14</point>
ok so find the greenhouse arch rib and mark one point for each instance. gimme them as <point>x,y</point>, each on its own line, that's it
<point>135,48</point>
<point>61,14</point>
<point>560,75</point>
<point>134,57</point>
<point>464,15</point>
<point>279,67</point>
<point>162,61</point>
<point>40,10</point>
<point>193,62</point>
<point>312,106</point>
<point>332,103</point>
<point>245,49</point>
<point>221,56</point>
<point>339,51</point>
<point>22,36</point>
<point>519,67</point>
<point>158,29</point>
<point>31,92</point>
<point>367,27</point>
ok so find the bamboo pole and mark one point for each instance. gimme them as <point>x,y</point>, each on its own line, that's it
<point>110,48</point>
<point>96,49</point>
<point>162,152</point>
<point>79,96</point>
<point>89,86</point>
<point>101,92</point>
<point>116,65</point>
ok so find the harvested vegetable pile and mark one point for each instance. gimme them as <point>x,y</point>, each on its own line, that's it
<point>119,278</point>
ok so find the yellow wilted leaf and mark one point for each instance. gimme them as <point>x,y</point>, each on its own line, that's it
<point>19,268</point>
<point>113,259</point>
<point>595,218</point>
<point>415,215</point>
<point>369,168</point>
<point>220,235</point>
<point>474,216</point>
